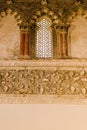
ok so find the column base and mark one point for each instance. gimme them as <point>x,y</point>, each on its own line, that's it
<point>24,57</point>
<point>64,57</point>
<point>60,57</point>
<point>67,57</point>
<point>21,56</point>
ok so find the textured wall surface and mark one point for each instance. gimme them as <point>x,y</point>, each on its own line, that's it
<point>9,36</point>
<point>12,83</point>
<point>79,37</point>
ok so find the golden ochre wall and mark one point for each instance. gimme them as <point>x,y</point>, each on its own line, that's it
<point>31,80</point>
<point>10,35</point>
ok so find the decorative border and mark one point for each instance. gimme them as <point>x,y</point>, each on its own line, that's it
<point>51,81</point>
<point>44,63</point>
<point>42,99</point>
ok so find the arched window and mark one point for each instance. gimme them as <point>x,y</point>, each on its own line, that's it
<point>44,38</point>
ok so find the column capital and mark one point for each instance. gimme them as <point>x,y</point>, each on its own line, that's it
<point>24,28</point>
<point>62,28</point>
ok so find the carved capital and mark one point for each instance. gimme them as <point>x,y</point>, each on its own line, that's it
<point>62,29</point>
<point>24,28</point>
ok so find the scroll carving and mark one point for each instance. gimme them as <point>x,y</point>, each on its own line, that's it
<point>59,82</point>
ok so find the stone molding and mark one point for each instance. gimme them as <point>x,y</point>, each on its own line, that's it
<point>78,63</point>
<point>43,99</point>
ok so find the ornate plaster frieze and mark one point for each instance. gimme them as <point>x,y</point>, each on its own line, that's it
<point>43,80</point>
<point>43,85</point>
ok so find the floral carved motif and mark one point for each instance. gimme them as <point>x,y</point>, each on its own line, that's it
<point>59,82</point>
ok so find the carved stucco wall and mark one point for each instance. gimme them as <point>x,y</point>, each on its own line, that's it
<point>9,36</point>
<point>79,37</point>
<point>61,83</point>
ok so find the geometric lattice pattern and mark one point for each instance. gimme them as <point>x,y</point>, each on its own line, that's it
<point>44,39</point>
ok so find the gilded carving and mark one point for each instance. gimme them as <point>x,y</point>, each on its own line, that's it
<point>59,82</point>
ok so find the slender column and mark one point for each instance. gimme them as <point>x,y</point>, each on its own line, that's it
<point>22,40</point>
<point>26,44</point>
<point>64,42</point>
<point>59,44</point>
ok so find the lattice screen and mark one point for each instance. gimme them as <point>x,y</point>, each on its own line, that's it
<point>44,39</point>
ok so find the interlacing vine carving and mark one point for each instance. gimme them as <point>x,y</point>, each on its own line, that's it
<point>59,82</point>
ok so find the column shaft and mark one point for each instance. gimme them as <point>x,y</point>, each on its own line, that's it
<point>22,40</point>
<point>64,42</point>
<point>59,44</point>
<point>26,44</point>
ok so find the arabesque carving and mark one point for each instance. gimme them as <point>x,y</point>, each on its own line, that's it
<point>59,82</point>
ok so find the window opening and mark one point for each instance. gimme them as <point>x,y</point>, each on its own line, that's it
<point>44,39</point>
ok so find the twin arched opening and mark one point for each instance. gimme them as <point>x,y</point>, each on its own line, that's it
<point>40,39</point>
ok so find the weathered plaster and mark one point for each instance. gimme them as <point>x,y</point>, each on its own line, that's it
<point>79,37</point>
<point>9,36</point>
